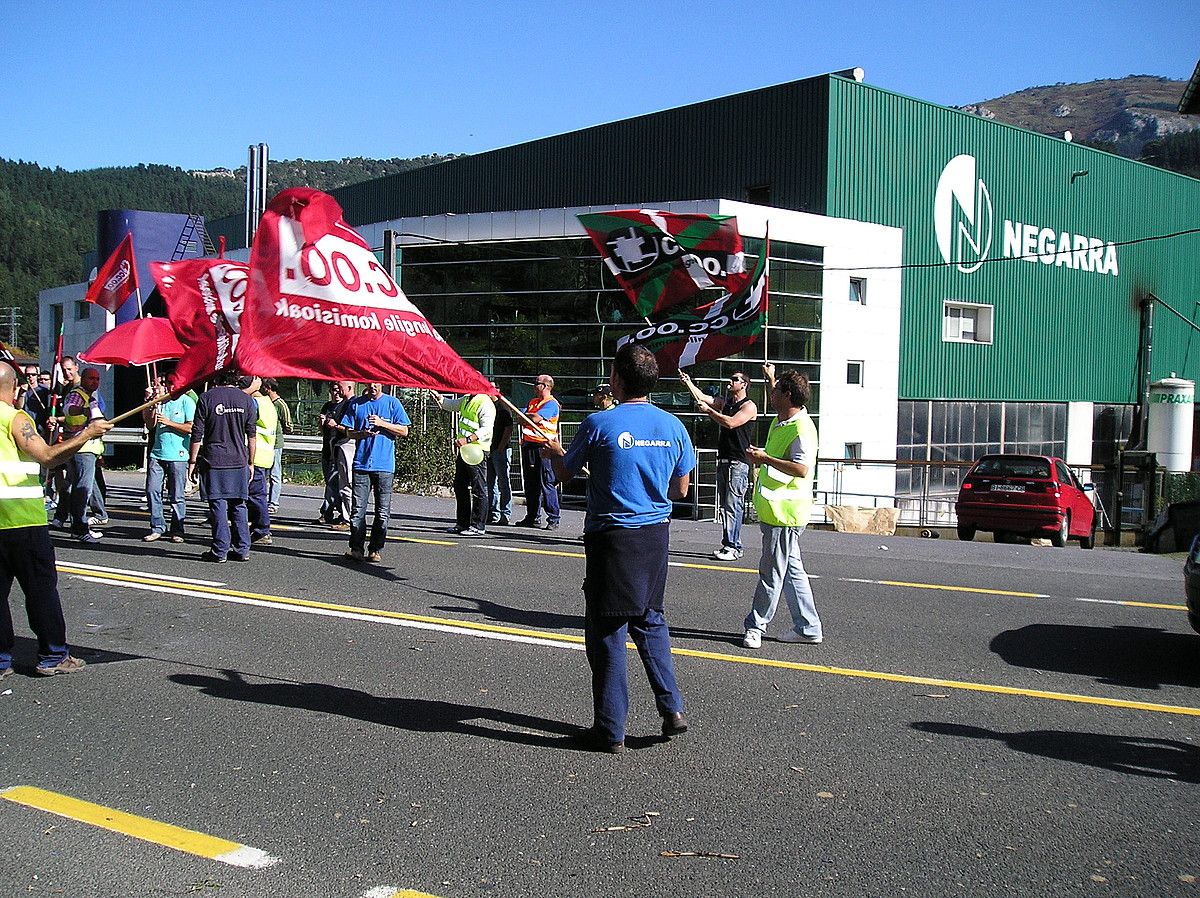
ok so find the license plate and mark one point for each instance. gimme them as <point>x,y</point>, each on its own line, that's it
<point>1007,488</point>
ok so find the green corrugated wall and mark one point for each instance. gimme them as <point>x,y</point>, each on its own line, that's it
<point>1060,334</point>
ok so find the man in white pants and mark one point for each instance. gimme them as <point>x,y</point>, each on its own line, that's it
<point>783,498</point>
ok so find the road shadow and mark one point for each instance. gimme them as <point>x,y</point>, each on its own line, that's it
<point>25,656</point>
<point>506,614</point>
<point>1139,657</point>
<point>1130,755</point>
<point>552,620</point>
<point>413,714</point>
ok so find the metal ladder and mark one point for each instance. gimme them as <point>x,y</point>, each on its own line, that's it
<point>193,223</point>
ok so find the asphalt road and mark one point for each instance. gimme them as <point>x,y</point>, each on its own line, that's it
<point>982,719</point>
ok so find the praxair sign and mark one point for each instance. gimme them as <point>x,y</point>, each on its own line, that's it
<point>963,221</point>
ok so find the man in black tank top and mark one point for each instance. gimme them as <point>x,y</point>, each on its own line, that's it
<point>735,413</point>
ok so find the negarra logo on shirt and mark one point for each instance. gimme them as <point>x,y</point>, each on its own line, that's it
<point>628,441</point>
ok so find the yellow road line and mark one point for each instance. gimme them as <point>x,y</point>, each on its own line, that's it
<point>393,892</point>
<point>143,828</point>
<point>943,684</point>
<point>565,638</point>
<point>952,588</point>
<point>943,587</point>
<point>322,606</point>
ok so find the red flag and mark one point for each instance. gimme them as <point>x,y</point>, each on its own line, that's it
<point>116,279</point>
<point>204,300</point>
<point>320,305</point>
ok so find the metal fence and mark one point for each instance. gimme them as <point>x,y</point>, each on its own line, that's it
<point>1128,495</point>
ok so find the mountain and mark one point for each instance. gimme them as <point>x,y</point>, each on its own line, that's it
<point>326,175</point>
<point>1120,115</point>
<point>48,216</point>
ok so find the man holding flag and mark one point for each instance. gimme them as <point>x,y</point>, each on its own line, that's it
<point>26,552</point>
<point>639,459</point>
<point>82,407</point>
<point>735,414</point>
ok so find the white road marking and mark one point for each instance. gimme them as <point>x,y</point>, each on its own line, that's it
<point>133,573</point>
<point>347,615</point>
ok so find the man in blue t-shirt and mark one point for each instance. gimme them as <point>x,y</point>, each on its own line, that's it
<point>373,420</point>
<point>639,459</point>
<point>170,426</point>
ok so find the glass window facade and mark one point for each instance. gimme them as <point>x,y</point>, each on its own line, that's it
<point>518,308</point>
<point>951,431</point>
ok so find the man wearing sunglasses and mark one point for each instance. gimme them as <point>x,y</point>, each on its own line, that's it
<point>735,413</point>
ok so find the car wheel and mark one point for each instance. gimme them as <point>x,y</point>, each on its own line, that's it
<point>1059,539</point>
<point>965,533</point>
<point>1089,541</point>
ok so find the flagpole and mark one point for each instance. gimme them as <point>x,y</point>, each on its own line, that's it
<point>516,411</point>
<point>766,313</point>
<point>145,405</point>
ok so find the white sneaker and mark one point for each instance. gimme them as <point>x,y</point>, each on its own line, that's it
<point>793,636</point>
<point>752,639</point>
<point>727,553</point>
<point>97,522</point>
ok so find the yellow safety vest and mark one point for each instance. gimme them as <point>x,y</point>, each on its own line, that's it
<point>548,429</point>
<point>21,499</point>
<point>470,421</point>
<point>264,437</point>
<point>76,423</point>
<point>780,500</point>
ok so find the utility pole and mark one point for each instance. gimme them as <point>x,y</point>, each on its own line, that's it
<point>10,317</point>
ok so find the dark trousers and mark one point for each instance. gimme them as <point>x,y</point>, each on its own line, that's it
<point>226,514</point>
<point>472,497</point>
<point>604,640</point>
<point>541,489</point>
<point>260,514</point>
<point>27,556</point>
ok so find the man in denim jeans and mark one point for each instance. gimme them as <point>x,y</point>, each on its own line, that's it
<point>735,413</point>
<point>374,420</point>
<point>170,426</point>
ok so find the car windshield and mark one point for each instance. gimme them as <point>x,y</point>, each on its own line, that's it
<point>1013,467</point>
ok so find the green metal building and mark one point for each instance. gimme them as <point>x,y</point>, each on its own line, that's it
<point>998,277</point>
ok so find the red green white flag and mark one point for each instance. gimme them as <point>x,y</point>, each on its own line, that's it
<point>663,259</point>
<point>715,331</point>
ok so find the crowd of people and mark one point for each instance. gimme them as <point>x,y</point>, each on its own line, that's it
<point>638,458</point>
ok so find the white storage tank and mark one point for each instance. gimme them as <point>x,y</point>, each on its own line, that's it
<point>1170,423</point>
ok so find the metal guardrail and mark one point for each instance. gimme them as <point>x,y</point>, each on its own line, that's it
<point>922,507</point>
<point>136,436</point>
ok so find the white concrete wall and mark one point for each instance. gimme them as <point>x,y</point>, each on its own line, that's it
<point>869,333</point>
<point>78,335</point>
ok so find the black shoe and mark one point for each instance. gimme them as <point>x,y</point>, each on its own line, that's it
<point>530,522</point>
<point>211,556</point>
<point>502,521</point>
<point>553,525</point>
<point>674,724</point>
<point>239,557</point>
<point>592,739</point>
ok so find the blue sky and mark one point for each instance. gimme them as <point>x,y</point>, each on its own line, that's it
<point>118,83</point>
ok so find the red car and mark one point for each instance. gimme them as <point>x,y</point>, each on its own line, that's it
<point>1026,495</point>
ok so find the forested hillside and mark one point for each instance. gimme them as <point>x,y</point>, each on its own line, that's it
<point>48,216</point>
